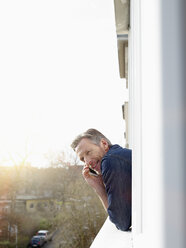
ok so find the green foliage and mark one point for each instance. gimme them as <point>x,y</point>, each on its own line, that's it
<point>74,210</point>
<point>7,244</point>
<point>81,225</point>
<point>44,224</point>
<point>22,242</point>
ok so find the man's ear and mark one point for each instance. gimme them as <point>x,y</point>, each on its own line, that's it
<point>104,144</point>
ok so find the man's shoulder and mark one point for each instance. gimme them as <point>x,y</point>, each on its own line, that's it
<point>118,151</point>
<point>117,156</point>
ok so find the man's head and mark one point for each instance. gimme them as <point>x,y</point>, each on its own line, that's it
<point>91,146</point>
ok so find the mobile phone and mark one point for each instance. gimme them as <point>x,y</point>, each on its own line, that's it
<point>92,172</point>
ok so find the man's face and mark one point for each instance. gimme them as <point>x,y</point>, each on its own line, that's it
<point>92,154</point>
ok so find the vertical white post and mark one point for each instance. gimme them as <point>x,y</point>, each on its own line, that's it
<point>135,112</point>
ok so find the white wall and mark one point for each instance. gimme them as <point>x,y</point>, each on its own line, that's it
<point>157,121</point>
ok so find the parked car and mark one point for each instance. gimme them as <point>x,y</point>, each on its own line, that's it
<point>45,234</point>
<point>37,241</point>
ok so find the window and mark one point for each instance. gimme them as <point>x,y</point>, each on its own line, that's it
<point>31,205</point>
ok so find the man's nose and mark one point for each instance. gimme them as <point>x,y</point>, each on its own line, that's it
<point>88,162</point>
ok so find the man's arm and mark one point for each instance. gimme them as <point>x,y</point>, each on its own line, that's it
<point>96,183</point>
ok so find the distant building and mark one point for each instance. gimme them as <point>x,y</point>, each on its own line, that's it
<point>27,204</point>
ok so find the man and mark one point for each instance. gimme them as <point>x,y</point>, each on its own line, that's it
<point>112,182</point>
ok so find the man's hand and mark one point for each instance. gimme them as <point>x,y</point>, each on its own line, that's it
<point>96,183</point>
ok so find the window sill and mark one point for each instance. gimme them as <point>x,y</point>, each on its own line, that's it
<point>109,236</point>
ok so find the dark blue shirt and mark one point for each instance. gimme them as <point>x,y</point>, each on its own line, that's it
<point>116,168</point>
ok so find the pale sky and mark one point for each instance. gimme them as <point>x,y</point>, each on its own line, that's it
<point>59,76</point>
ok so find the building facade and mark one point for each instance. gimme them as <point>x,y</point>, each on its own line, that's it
<point>156,122</point>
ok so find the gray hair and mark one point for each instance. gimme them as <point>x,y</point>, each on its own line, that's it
<point>92,134</point>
